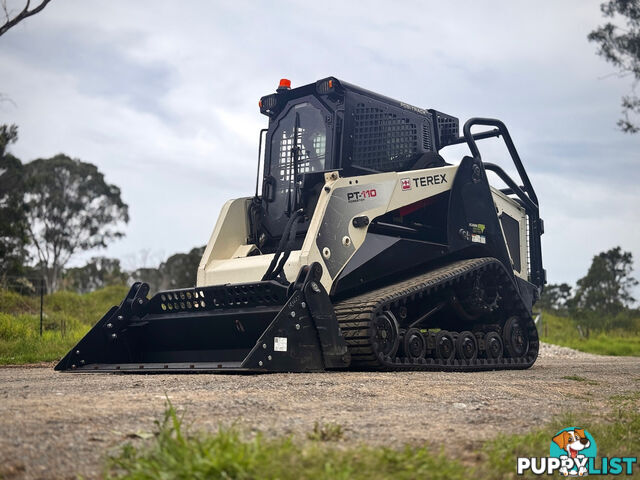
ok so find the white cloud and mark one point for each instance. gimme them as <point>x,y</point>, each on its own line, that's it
<point>162,96</point>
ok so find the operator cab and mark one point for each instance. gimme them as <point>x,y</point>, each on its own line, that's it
<point>332,125</point>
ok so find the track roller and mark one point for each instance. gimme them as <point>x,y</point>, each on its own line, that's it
<point>382,331</point>
<point>515,337</point>
<point>386,335</point>
<point>493,346</point>
<point>466,346</point>
<point>414,345</point>
<point>445,347</point>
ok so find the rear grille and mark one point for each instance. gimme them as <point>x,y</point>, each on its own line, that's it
<point>448,128</point>
<point>427,143</point>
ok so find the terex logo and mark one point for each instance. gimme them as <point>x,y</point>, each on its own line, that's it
<point>427,180</point>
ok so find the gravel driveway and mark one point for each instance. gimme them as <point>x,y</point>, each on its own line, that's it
<point>55,425</point>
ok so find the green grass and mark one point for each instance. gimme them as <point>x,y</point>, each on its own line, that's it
<point>68,316</point>
<point>617,434</point>
<point>578,378</point>
<point>227,454</point>
<point>562,331</point>
<point>326,432</point>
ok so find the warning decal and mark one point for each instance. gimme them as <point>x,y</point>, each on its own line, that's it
<point>279,344</point>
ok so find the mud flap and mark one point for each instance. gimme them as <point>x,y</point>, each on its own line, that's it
<point>254,327</point>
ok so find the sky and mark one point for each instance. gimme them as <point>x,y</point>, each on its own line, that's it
<point>163,97</point>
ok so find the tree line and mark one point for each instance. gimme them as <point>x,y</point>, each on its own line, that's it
<point>54,208</point>
<point>178,271</point>
<point>618,43</point>
<point>602,299</point>
<point>51,209</point>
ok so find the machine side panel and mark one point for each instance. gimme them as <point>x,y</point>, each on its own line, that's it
<point>513,220</point>
<point>331,227</point>
<point>230,232</point>
<point>332,233</point>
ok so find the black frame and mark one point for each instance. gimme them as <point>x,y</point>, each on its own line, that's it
<point>340,98</point>
<point>525,194</point>
<point>275,227</point>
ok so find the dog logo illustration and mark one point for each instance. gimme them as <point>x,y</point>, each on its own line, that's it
<point>573,446</point>
<point>573,453</point>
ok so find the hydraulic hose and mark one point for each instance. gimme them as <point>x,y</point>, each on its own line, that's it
<point>285,246</point>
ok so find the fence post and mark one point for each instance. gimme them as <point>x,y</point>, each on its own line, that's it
<point>41,301</point>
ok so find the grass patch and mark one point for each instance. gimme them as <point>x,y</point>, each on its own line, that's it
<point>562,331</point>
<point>578,378</point>
<point>326,432</point>
<point>68,316</point>
<point>175,453</point>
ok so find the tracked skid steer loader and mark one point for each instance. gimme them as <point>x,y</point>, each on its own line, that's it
<point>362,248</point>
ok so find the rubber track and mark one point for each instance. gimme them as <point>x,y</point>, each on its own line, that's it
<point>356,315</point>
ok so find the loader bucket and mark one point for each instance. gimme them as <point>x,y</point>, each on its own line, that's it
<point>252,327</point>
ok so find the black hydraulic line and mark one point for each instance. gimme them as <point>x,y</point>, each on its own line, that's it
<point>435,309</point>
<point>289,246</point>
<point>395,228</point>
<point>284,241</point>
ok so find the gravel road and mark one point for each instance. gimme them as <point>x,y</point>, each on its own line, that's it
<point>55,425</point>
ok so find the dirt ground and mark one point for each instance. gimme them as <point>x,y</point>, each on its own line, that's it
<point>55,425</point>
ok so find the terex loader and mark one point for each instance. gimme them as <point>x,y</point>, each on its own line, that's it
<point>362,248</point>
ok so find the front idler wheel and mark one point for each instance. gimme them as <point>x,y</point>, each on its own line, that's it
<point>466,346</point>
<point>445,348</point>
<point>414,344</point>
<point>386,335</point>
<point>493,346</point>
<point>515,337</point>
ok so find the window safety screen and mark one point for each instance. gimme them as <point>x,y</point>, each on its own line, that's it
<point>309,135</point>
<point>382,139</point>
